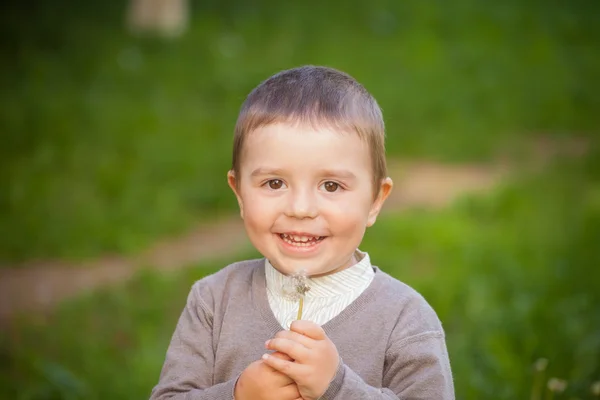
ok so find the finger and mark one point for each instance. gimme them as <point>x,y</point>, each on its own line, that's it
<point>273,376</point>
<point>293,349</point>
<point>308,328</point>
<point>296,337</point>
<point>282,356</point>
<point>289,368</point>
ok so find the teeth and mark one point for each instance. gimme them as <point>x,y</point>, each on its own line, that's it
<point>301,241</point>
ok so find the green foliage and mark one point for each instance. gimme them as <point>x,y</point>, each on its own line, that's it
<point>105,346</point>
<point>111,141</point>
<point>513,276</point>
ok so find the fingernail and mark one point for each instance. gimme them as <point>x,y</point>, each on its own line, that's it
<point>267,343</point>
<point>265,356</point>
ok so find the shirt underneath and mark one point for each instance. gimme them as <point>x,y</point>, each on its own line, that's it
<point>328,295</point>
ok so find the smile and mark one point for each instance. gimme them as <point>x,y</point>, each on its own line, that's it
<point>301,240</point>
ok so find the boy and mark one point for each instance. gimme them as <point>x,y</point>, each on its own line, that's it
<point>309,175</point>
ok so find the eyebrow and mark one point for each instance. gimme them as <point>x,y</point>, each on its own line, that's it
<point>331,173</point>
<point>338,173</point>
<point>261,171</point>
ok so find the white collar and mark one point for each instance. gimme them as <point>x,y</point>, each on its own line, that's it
<point>339,283</point>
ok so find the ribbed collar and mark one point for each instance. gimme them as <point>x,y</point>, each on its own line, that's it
<point>337,284</point>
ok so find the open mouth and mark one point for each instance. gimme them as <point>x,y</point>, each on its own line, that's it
<point>301,240</point>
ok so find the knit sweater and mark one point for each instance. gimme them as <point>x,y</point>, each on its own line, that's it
<point>390,341</point>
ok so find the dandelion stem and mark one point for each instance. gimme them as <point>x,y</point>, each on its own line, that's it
<point>300,307</point>
<point>537,387</point>
<point>538,379</point>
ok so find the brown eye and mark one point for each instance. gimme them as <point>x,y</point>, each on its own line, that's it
<point>331,186</point>
<point>275,184</point>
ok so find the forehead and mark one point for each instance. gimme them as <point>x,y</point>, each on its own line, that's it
<point>284,145</point>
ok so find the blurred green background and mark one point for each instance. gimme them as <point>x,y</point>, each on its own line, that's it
<point>111,141</point>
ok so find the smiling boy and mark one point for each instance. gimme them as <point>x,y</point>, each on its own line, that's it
<point>309,174</point>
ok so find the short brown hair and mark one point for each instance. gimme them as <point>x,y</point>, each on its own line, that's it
<point>317,96</point>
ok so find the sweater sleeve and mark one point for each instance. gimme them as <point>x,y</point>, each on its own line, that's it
<point>187,372</point>
<point>417,368</point>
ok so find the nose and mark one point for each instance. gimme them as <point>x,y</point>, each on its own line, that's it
<point>302,204</point>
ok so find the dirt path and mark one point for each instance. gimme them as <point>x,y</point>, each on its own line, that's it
<point>38,287</point>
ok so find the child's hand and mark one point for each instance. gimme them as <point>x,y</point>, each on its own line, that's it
<point>316,358</point>
<point>261,382</point>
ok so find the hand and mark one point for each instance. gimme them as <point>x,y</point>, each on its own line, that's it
<point>261,382</point>
<point>316,358</point>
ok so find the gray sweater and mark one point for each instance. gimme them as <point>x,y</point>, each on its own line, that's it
<point>390,340</point>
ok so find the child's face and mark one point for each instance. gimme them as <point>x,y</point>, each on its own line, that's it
<point>306,196</point>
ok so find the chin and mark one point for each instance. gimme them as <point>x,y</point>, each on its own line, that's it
<point>311,268</point>
<point>291,266</point>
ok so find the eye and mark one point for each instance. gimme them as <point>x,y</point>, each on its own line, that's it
<point>275,184</point>
<point>330,186</point>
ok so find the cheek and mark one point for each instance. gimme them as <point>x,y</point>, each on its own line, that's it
<point>257,213</point>
<point>348,217</point>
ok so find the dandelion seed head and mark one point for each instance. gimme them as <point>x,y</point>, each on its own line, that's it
<point>540,364</point>
<point>557,385</point>
<point>296,285</point>
<point>596,388</point>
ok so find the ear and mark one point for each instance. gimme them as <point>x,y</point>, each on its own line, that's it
<point>233,184</point>
<point>384,191</point>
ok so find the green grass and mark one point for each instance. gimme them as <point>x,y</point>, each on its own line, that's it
<point>110,142</point>
<point>513,276</point>
<point>105,346</point>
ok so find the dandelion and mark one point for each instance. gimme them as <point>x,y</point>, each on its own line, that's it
<point>556,385</point>
<point>301,284</point>
<point>296,288</point>
<point>541,364</point>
